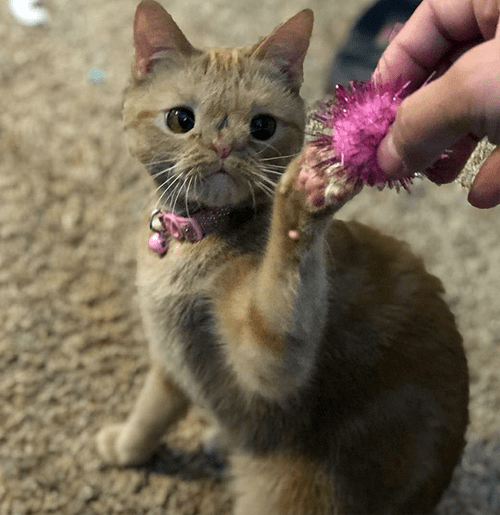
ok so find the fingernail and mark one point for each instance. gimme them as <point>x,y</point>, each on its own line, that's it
<point>388,157</point>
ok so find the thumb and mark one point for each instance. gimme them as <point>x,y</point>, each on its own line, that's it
<point>485,192</point>
<point>465,100</point>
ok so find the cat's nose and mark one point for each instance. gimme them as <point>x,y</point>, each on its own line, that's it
<point>222,148</point>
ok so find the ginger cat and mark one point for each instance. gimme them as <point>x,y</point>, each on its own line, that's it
<point>323,352</point>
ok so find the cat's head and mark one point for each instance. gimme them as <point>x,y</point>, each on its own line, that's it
<point>214,127</point>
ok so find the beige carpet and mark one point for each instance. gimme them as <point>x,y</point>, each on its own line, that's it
<point>72,352</point>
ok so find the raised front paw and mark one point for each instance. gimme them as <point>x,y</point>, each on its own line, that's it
<point>312,180</point>
<point>118,447</point>
<point>324,187</point>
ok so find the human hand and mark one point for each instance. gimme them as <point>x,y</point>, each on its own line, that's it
<point>459,40</point>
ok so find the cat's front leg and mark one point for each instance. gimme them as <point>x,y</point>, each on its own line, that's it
<point>159,404</point>
<point>272,309</point>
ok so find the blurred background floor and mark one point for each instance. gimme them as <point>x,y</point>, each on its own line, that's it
<point>72,351</point>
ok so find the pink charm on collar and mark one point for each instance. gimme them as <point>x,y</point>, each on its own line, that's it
<point>167,225</point>
<point>158,244</point>
<point>180,227</point>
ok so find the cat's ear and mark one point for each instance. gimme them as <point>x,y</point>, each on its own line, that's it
<point>156,37</point>
<point>287,46</point>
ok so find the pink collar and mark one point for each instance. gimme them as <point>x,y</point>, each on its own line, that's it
<point>167,225</point>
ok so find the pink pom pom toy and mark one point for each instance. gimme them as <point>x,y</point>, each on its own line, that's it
<point>347,131</point>
<point>352,126</point>
<point>359,117</point>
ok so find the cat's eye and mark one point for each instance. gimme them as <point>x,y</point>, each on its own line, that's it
<point>262,126</point>
<point>179,119</point>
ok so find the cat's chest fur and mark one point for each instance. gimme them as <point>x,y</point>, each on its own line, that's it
<point>175,297</point>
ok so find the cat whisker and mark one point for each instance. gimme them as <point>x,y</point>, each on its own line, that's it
<point>195,184</point>
<point>261,175</point>
<point>167,184</point>
<point>279,156</point>
<point>267,181</point>
<point>156,163</point>
<point>274,158</point>
<point>269,171</point>
<point>252,192</point>
<point>280,166</point>
<point>163,170</point>
<point>159,188</point>
<point>268,193</point>
<point>192,180</point>
<point>267,146</point>
<point>159,174</point>
<point>275,169</point>
<point>180,188</point>
<point>169,191</point>
<point>265,189</point>
<point>161,200</point>
<point>157,160</point>
<point>186,184</point>
<point>167,199</point>
<point>167,202</point>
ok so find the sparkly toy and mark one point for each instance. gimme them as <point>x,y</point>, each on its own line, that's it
<point>350,129</point>
<point>347,131</point>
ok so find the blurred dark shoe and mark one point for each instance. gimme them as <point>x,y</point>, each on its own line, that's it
<point>358,57</point>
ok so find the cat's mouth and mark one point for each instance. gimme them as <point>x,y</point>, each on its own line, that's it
<point>221,171</point>
<point>218,187</point>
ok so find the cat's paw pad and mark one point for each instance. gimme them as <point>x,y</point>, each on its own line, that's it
<point>323,187</point>
<point>314,184</point>
<point>115,447</point>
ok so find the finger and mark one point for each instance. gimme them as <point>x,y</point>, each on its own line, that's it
<point>423,130</point>
<point>485,192</point>
<point>435,28</point>
<point>446,170</point>
<point>465,100</point>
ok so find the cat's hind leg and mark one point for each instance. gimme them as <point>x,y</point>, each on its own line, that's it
<point>278,484</point>
<point>159,404</point>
